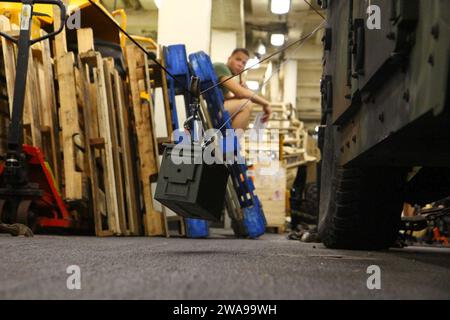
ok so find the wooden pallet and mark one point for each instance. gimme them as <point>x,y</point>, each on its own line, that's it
<point>49,113</point>
<point>123,165</point>
<point>8,74</point>
<point>279,229</point>
<point>101,132</point>
<point>72,136</point>
<point>176,226</point>
<point>100,162</point>
<point>85,122</point>
<point>159,81</point>
<point>40,115</point>
<point>32,106</point>
<point>154,222</point>
<point>74,169</point>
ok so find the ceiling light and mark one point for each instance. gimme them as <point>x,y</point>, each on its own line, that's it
<point>253,85</point>
<point>280,6</point>
<point>253,63</point>
<point>158,3</point>
<point>277,39</point>
<point>261,49</point>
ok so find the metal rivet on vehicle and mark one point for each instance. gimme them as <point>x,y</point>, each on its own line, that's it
<point>431,60</point>
<point>435,31</point>
<point>391,36</point>
<point>406,96</point>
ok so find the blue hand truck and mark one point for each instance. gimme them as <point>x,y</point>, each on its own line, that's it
<point>177,64</point>
<point>201,66</point>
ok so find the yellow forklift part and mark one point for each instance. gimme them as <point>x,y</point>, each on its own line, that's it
<point>81,4</point>
<point>145,96</point>
<point>123,24</point>
<point>12,11</point>
<point>123,38</point>
<point>104,27</point>
<point>45,16</point>
<point>152,43</point>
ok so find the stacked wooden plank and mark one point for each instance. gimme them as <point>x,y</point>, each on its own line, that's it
<point>139,82</point>
<point>40,118</point>
<point>95,126</point>
<point>7,75</point>
<point>101,138</point>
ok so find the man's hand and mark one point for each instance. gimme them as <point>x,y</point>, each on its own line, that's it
<point>244,84</point>
<point>267,112</point>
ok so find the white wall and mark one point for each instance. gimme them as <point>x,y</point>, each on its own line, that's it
<point>290,82</point>
<point>275,93</point>
<point>222,44</point>
<point>185,22</point>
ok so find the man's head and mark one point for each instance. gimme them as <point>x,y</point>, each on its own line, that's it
<point>238,60</point>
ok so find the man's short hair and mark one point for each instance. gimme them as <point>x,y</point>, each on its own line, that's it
<point>243,50</point>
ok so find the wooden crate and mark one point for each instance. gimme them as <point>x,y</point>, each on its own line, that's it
<point>270,185</point>
<point>280,229</point>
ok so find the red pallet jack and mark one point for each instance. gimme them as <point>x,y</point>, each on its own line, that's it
<point>28,192</point>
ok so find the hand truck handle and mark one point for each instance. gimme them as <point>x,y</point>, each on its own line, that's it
<point>62,9</point>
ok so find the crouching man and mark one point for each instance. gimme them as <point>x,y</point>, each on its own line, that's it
<point>236,93</point>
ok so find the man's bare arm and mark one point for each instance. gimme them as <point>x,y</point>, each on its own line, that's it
<point>243,93</point>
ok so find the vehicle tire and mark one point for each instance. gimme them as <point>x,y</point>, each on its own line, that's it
<point>309,211</point>
<point>360,208</point>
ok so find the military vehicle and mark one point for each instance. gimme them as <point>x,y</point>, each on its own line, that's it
<point>385,103</point>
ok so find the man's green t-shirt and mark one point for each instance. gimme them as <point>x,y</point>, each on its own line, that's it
<point>222,70</point>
